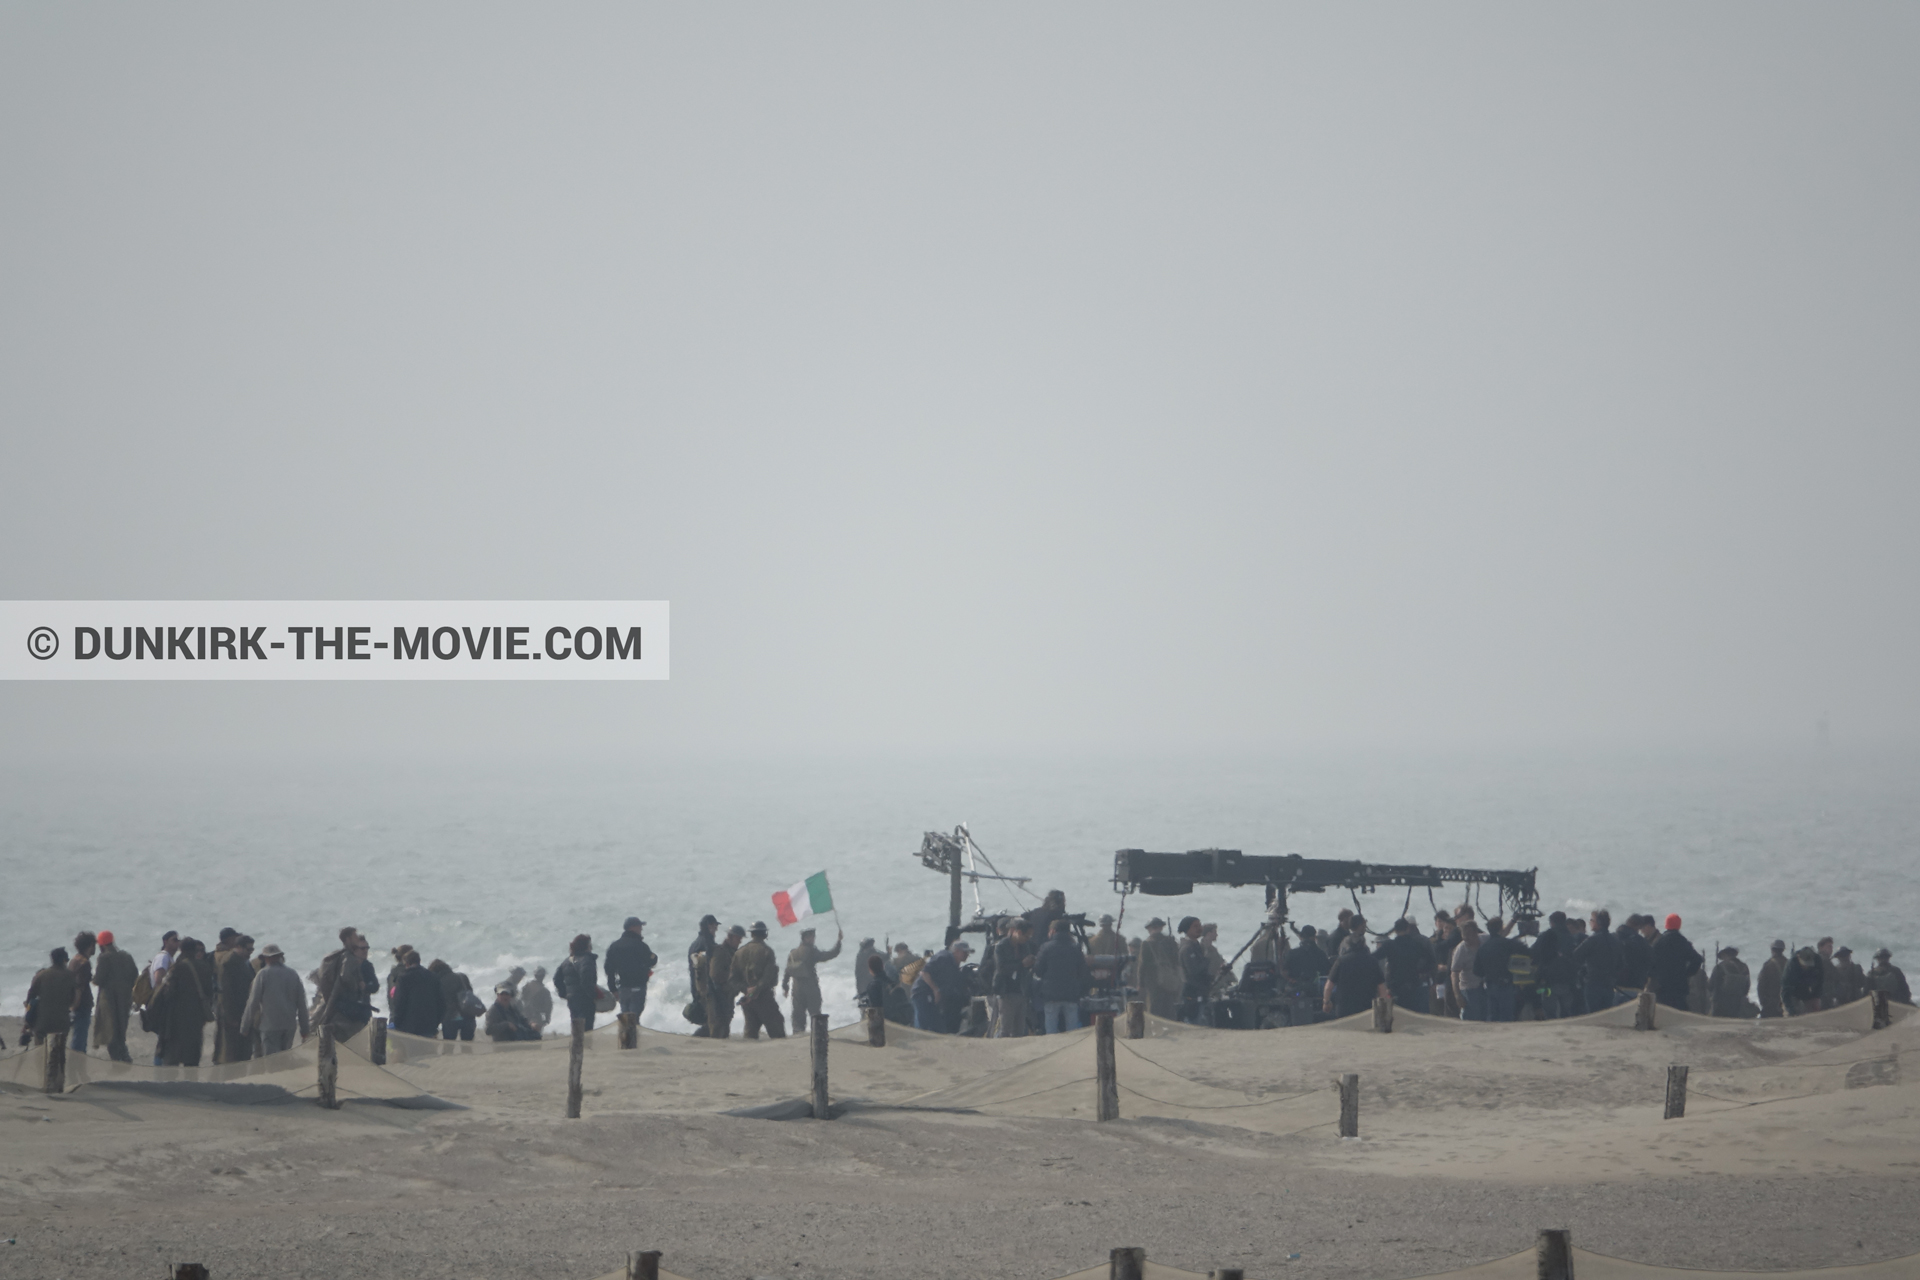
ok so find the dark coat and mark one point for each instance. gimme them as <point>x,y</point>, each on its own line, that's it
<point>1010,971</point>
<point>1597,959</point>
<point>182,1006</point>
<point>1803,981</point>
<point>576,980</point>
<point>630,961</point>
<point>1409,964</point>
<point>1356,979</point>
<point>418,1004</point>
<point>1636,959</point>
<point>52,997</point>
<point>1675,961</point>
<point>1061,970</point>
<point>1196,970</point>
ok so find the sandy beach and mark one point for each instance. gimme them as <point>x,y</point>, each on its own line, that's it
<point>964,1157</point>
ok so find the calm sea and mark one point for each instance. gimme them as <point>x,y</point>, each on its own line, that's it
<point>490,867</point>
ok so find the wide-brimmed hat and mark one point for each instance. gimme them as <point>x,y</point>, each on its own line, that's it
<point>1883,954</point>
<point>736,932</point>
<point>759,929</point>
<point>270,950</point>
<point>1156,923</point>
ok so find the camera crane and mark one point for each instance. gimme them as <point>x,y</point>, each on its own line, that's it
<point>1171,874</point>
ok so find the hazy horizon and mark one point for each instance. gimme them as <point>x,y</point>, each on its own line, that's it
<point>1115,379</point>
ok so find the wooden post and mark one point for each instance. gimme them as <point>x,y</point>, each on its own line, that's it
<point>1127,1264</point>
<point>377,1042</point>
<point>876,1026</point>
<point>716,1022</point>
<point>329,1069</point>
<point>576,1057</point>
<point>629,1031</point>
<point>1553,1256</point>
<point>821,1103</point>
<point>1383,1014</point>
<point>189,1271</point>
<point>644,1266</point>
<point>1107,1081</point>
<point>1643,1012</point>
<point>56,1077</point>
<point>1350,1105</point>
<point>1136,1019</point>
<point>1676,1092</point>
<point>1882,1016</point>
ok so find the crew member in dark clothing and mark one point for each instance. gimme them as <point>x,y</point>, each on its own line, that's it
<point>1635,951</point>
<point>1553,970</point>
<point>1492,966</point>
<point>1013,960</point>
<point>1596,962</point>
<point>1674,962</point>
<point>357,980</point>
<point>417,1000</point>
<point>630,963</point>
<point>577,979</point>
<point>1060,972</point>
<point>1409,964</point>
<point>1804,982</point>
<point>1356,981</point>
<point>1196,972</point>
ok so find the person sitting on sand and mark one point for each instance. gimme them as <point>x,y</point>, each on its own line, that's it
<point>504,1022</point>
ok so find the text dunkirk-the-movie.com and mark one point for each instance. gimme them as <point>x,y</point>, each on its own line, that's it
<point>333,640</point>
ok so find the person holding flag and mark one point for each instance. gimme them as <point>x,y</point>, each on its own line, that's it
<point>801,982</point>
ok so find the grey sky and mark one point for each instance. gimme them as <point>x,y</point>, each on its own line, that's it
<point>1062,376</point>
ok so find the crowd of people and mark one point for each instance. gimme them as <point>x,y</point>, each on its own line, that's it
<point>1036,973</point>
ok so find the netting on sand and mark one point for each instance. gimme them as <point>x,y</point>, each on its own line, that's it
<point>295,1070</point>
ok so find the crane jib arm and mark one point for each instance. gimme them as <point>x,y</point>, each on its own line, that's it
<point>1138,871</point>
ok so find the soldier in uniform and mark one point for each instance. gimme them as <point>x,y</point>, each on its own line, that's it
<point>699,955</point>
<point>535,1002</point>
<point>862,971</point>
<point>1830,980</point>
<point>1850,977</point>
<point>1775,968</point>
<point>801,981</point>
<point>753,973</point>
<point>721,987</point>
<point>1105,942</point>
<point>1884,976</point>
<point>1727,988</point>
<point>1159,976</point>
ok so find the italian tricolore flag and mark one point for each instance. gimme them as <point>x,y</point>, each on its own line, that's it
<point>808,898</point>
